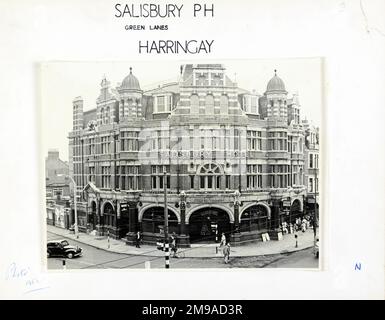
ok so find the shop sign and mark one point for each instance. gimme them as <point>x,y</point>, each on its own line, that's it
<point>124,208</point>
<point>286,203</point>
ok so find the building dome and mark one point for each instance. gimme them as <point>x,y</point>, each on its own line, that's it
<point>130,82</point>
<point>275,84</point>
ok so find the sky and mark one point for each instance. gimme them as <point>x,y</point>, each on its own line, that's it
<point>61,82</point>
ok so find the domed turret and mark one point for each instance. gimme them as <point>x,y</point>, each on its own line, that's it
<point>275,84</point>
<point>130,83</point>
<point>276,97</point>
<point>130,98</point>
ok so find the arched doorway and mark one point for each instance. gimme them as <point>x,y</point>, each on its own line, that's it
<point>153,220</point>
<point>205,222</point>
<point>109,218</point>
<point>295,210</point>
<point>254,218</point>
<point>92,216</point>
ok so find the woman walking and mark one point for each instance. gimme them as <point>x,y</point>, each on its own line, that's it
<point>226,252</point>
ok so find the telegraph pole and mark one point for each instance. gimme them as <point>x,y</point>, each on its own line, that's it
<point>315,220</point>
<point>166,244</point>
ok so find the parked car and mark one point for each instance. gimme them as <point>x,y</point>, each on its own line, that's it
<point>316,248</point>
<point>63,249</point>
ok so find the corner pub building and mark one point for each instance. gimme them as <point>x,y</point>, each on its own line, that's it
<point>231,160</point>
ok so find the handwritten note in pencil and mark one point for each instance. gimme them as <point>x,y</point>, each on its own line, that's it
<point>27,280</point>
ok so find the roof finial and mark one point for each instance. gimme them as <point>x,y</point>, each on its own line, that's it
<point>104,80</point>
<point>275,71</point>
<point>130,70</point>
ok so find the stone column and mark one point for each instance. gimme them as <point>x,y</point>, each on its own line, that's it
<point>275,211</point>
<point>131,217</point>
<point>235,238</point>
<point>236,217</point>
<point>275,214</point>
<point>99,227</point>
<point>131,223</point>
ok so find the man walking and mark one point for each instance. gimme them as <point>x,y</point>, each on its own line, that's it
<point>138,238</point>
<point>174,247</point>
<point>226,252</point>
<point>315,227</point>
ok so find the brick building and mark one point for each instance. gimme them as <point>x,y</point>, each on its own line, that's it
<point>311,166</point>
<point>232,160</point>
<point>57,191</point>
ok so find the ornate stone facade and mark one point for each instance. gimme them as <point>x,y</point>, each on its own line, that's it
<point>231,160</point>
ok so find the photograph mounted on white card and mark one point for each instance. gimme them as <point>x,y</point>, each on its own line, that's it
<point>180,164</point>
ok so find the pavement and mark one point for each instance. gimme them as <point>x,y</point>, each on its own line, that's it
<point>259,248</point>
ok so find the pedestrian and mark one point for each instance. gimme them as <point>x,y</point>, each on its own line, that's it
<point>284,228</point>
<point>226,252</point>
<point>307,222</point>
<point>298,223</point>
<point>138,238</point>
<point>174,247</point>
<point>303,226</point>
<point>314,227</point>
<point>223,240</point>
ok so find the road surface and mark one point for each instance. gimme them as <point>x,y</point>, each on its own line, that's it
<point>94,258</point>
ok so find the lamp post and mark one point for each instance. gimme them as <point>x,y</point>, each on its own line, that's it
<point>182,212</point>
<point>315,220</point>
<point>75,204</point>
<point>166,251</point>
<point>237,203</point>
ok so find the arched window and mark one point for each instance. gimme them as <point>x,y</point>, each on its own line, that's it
<point>209,104</point>
<point>194,104</point>
<point>254,218</point>
<point>224,104</point>
<point>102,115</point>
<point>153,220</point>
<point>210,176</point>
<point>107,116</point>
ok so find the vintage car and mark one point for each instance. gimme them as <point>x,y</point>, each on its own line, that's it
<point>63,249</point>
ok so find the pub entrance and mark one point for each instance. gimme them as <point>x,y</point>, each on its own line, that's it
<point>92,216</point>
<point>207,224</point>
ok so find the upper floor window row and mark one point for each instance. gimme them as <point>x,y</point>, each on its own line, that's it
<point>129,141</point>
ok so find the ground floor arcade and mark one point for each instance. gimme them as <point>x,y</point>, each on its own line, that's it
<point>199,219</point>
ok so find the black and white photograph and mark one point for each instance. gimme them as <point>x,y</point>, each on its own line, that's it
<point>191,156</point>
<point>184,165</point>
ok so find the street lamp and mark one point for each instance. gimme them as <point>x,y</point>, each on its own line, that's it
<point>75,205</point>
<point>166,244</point>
